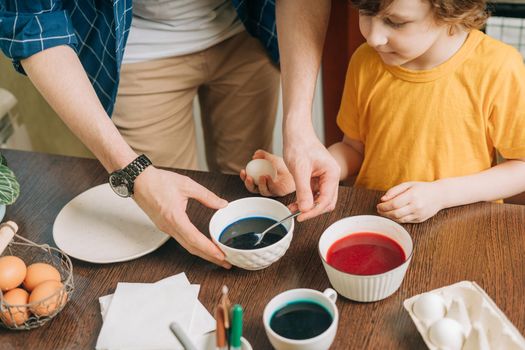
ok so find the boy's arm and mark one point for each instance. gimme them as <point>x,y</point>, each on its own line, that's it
<point>349,155</point>
<point>301,27</point>
<point>59,76</point>
<point>501,181</point>
<point>412,202</point>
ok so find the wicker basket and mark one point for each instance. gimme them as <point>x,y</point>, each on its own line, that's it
<point>31,253</point>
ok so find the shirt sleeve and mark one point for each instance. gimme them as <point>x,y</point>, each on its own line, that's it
<point>258,17</point>
<point>28,27</point>
<point>507,119</point>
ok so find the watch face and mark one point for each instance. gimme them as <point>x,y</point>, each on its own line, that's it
<point>121,190</point>
<point>119,185</point>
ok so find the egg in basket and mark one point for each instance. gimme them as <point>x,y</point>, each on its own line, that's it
<point>36,281</point>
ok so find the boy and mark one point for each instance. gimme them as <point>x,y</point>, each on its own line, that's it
<point>427,102</point>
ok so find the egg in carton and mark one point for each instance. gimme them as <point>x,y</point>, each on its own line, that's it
<point>462,316</point>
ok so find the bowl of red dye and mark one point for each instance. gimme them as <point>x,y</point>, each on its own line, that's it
<point>366,257</point>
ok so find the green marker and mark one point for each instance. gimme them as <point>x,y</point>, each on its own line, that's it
<point>236,327</point>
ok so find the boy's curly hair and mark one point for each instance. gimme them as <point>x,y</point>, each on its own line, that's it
<point>471,14</point>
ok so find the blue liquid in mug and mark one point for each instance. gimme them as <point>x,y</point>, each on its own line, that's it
<point>242,233</point>
<point>301,319</point>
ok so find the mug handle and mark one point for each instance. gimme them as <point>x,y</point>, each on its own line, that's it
<point>330,294</point>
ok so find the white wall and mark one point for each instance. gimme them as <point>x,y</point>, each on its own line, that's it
<point>317,116</point>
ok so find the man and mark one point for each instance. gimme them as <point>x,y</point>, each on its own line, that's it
<point>72,50</point>
<point>183,48</point>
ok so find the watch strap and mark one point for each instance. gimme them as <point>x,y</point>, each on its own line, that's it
<point>137,166</point>
<point>133,169</point>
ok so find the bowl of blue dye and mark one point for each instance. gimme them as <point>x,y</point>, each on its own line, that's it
<point>233,229</point>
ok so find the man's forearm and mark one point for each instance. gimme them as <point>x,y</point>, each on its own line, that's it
<point>502,181</point>
<point>301,27</point>
<point>59,76</point>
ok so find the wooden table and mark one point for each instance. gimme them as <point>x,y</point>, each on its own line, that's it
<point>482,242</point>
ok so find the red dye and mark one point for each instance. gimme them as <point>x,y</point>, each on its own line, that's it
<point>365,253</point>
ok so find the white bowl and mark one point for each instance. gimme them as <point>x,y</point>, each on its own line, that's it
<point>253,259</point>
<point>366,288</point>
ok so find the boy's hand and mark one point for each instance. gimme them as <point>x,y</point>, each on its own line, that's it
<point>411,202</point>
<point>281,186</point>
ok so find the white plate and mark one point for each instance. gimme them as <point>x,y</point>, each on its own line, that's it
<point>100,227</point>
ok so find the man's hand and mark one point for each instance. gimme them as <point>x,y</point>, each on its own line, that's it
<point>163,195</point>
<point>316,174</point>
<point>411,202</point>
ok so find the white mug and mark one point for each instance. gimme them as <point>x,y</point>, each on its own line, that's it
<point>323,341</point>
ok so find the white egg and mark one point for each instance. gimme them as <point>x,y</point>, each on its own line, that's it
<point>447,333</point>
<point>429,307</point>
<point>260,167</point>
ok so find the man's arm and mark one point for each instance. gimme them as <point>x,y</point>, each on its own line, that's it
<point>59,76</point>
<point>301,27</point>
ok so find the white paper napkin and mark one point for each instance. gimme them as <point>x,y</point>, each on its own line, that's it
<point>176,280</point>
<point>138,315</point>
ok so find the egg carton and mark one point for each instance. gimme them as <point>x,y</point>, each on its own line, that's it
<point>462,316</point>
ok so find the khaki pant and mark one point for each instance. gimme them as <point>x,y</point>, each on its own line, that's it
<point>238,89</point>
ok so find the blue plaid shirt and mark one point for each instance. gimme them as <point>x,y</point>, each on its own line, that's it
<point>97,30</point>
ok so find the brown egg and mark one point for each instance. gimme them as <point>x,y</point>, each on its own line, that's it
<point>47,289</point>
<point>12,272</point>
<point>38,273</point>
<point>15,315</point>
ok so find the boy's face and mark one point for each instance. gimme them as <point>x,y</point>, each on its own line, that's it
<point>405,34</point>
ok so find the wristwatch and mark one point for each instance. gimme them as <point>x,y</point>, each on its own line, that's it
<point>122,181</point>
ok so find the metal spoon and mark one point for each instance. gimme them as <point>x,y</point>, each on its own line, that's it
<point>261,235</point>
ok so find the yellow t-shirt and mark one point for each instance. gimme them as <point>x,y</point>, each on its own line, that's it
<point>437,123</point>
